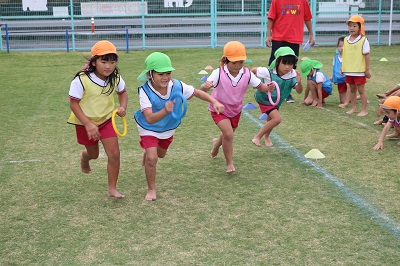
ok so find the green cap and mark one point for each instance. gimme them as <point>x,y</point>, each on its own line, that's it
<point>158,62</point>
<point>307,64</point>
<point>281,52</point>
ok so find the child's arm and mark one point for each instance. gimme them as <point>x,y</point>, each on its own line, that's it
<point>299,86</point>
<point>319,92</point>
<point>385,130</point>
<point>91,129</point>
<point>218,107</point>
<point>367,64</point>
<point>123,103</point>
<point>265,87</point>
<point>206,86</point>
<point>157,116</point>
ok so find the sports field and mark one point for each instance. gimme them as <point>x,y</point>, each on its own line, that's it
<point>278,208</point>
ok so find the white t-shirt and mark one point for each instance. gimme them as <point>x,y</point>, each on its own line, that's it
<point>254,81</point>
<point>263,72</point>
<point>76,90</point>
<point>188,92</point>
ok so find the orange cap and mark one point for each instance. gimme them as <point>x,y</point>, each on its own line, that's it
<point>359,19</point>
<point>235,51</point>
<point>103,48</point>
<point>392,102</point>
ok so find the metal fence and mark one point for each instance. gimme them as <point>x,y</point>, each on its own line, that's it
<point>45,25</point>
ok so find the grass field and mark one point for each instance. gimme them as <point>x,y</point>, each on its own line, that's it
<point>278,208</point>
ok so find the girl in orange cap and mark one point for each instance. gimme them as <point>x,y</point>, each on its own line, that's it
<point>391,106</point>
<point>91,96</point>
<point>356,63</point>
<point>230,82</point>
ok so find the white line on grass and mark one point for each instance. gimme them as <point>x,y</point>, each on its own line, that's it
<point>382,219</point>
<point>352,120</point>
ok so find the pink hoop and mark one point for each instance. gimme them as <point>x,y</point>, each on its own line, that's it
<point>278,94</point>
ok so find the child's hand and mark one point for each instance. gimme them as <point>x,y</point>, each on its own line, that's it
<point>169,106</point>
<point>92,131</point>
<point>378,146</point>
<point>121,111</point>
<point>218,107</point>
<point>206,86</point>
<point>271,87</point>
<point>298,76</point>
<point>367,74</point>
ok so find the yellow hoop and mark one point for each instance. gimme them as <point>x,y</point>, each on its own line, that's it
<point>115,127</point>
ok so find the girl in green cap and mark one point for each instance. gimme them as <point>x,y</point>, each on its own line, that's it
<point>155,123</point>
<point>281,71</point>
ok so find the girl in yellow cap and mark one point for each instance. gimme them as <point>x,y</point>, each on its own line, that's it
<point>155,121</point>
<point>356,64</point>
<point>91,96</point>
<point>391,106</point>
<point>230,82</point>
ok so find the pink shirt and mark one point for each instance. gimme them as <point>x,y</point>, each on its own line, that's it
<point>229,94</point>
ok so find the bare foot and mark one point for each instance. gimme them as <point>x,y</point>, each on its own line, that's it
<point>85,167</point>
<point>115,194</point>
<point>268,141</point>
<point>230,169</point>
<point>215,149</point>
<point>343,105</point>
<point>351,111</point>
<point>256,141</point>
<point>151,195</point>
<point>379,122</point>
<point>381,95</point>
<point>393,135</point>
<point>362,113</point>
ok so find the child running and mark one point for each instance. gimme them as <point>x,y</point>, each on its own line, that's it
<point>230,81</point>
<point>391,106</point>
<point>318,83</point>
<point>92,102</point>
<point>356,63</point>
<point>155,123</point>
<point>281,71</point>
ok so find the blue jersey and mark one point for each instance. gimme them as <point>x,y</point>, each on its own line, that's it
<point>337,78</point>
<point>167,122</point>
<point>326,85</point>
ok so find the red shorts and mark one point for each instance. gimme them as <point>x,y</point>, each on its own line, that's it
<point>342,87</point>
<point>106,131</point>
<point>151,141</point>
<point>324,94</point>
<point>356,79</point>
<point>218,117</point>
<point>267,108</point>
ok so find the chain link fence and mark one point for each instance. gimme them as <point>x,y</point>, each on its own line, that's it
<point>46,25</point>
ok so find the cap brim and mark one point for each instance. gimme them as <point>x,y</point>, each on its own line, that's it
<point>237,58</point>
<point>107,52</point>
<point>387,107</point>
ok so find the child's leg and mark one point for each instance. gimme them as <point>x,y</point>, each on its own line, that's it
<point>227,143</point>
<point>353,96</point>
<point>273,119</point>
<point>364,99</point>
<point>314,92</point>
<point>346,98</point>
<point>216,145</point>
<point>308,96</point>
<point>89,153</point>
<point>111,148</point>
<point>150,158</point>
